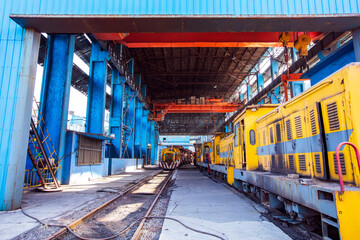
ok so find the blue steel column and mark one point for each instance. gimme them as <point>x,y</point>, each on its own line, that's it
<point>55,90</point>
<point>276,92</point>
<point>116,113</point>
<point>249,92</point>
<point>148,141</point>
<point>138,128</point>
<point>18,71</point>
<point>138,121</point>
<point>356,42</point>
<point>97,90</point>
<point>144,136</point>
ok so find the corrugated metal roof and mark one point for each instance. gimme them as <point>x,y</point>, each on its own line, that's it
<point>188,7</point>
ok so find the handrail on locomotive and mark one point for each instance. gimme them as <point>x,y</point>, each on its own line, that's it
<point>337,152</point>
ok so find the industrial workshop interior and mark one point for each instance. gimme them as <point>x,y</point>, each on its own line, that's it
<point>180,119</point>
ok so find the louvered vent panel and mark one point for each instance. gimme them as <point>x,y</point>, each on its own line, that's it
<point>342,164</point>
<point>313,123</point>
<point>317,163</point>
<point>298,127</point>
<point>291,162</point>
<point>271,135</point>
<point>333,116</point>
<point>288,129</point>
<point>302,162</point>
<point>278,133</point>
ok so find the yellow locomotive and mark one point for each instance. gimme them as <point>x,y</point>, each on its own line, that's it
<point>285,155</point>
<point>170,158</point>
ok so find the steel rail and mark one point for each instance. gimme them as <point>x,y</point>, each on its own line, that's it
<point>138,231</point>
<point>88,215</point>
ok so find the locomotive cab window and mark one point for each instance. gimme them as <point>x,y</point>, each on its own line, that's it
<point>217,149</point>
<point>252,137</point>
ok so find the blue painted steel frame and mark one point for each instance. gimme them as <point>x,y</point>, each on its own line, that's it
<point>330,64</point>
<point>95,113</point>
<point>55,90</point>
<point>116,113</point>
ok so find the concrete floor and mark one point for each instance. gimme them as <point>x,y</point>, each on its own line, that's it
<point>58,205</point>
<point>213,207</point>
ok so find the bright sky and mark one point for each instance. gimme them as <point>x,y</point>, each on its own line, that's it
<point>77,99</point>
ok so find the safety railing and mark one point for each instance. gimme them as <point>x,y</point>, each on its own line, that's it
<point>41,151</point>
<point>337,152</point>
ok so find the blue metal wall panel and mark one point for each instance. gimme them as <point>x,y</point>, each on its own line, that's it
<point>185,7</point>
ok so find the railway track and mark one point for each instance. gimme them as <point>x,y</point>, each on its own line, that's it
<point>131,208</point>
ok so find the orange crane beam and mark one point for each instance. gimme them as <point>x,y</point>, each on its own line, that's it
<point>211,106</point>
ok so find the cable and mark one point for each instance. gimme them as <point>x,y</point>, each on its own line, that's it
<point>67,155</point>
<point>122,231</point>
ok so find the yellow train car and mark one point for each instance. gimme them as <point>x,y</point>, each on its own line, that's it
<point>304,132</point>
<point>285,155</point>
<point>227,151</point>
<point>215,147</point>
<point>245,144</point>
<point>205,152</point>
<point>197,159</point>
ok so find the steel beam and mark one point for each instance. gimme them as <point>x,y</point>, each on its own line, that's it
<point>96,90</point>
<point>186,39</point>
<point>138,128</point>
<point>116,113</point>
<point>55,90</point>
<point>119,63</point>
<point>356,41</point>
<point>144,136</point>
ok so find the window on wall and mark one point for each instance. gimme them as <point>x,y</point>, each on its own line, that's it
<point>252,137</point>
<point>237,127</point>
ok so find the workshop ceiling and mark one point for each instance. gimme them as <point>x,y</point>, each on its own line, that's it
<point>175,73</point>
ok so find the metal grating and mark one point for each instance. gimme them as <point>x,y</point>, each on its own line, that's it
<point>278,133</point>
<point>313,124</point>
<point>298,127</point>
<point>333,116</point>
<point>317,163</point>
<point>291,162</point>
<point>302,162</point>
<point>288,129</point>
<point>342,164</point>
<point>271,135</point>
